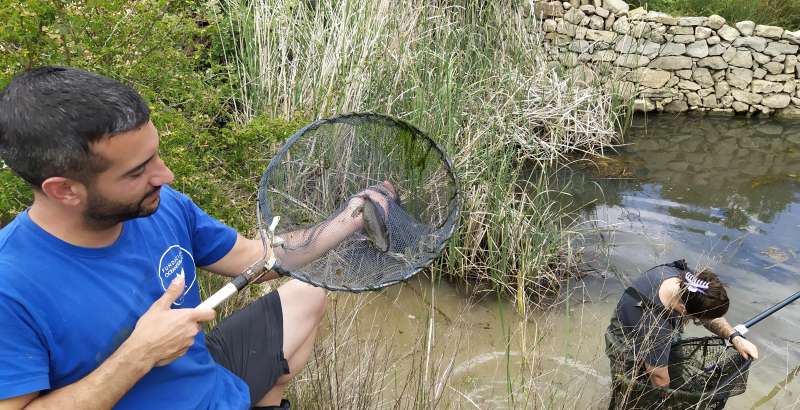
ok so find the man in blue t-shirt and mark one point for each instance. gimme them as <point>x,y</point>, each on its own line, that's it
<point>98,291</point>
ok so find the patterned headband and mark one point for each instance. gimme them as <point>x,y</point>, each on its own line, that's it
<point>693,284</point>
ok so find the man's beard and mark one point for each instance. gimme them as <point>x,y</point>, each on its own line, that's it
<point>102,212</point>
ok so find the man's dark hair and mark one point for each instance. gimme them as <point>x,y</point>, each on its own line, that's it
<point>710,305</point>
<point>50,117</point>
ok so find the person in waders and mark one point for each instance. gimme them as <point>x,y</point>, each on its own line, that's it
<point>98,284</point>
<point>651,315</point>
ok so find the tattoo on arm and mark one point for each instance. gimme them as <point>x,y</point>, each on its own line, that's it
<point>718,326</point>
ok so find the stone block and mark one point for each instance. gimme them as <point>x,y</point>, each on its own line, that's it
<point>587,9</point>
<point>729,54</point>
<point>789,87</point>
<point>610,20</point>
<point>643,105</point>
<point>728,33</point>
<point>759,73</point>
<point>779,58</point>
<point>774,67</point>
<point>716,50</point>
<point>574,16</point>
<point>739,106</point>
<point>604,56</point>
<point>715,22</point>
<point>676,106</point>
<point>621,26</point>
<point>601,12</point>
<point>637,13</point>
<point>713,40</point>
<point>566,28</point>
<point>596,23</point>
<point>691,21</point>
<point>766,87</point>
<point>761,58</point>
<point>746,97</point>
<point>672,49</point>
<point>549,26</point>
<point>631,61</point>
<point>777,101</point>
<point>662,18</point>
<point>684,39</point>
<point>739,77</point>
<point>702,33</point>
<point>778,77</point>
<point>693,99</point>
<point>684,74</point>
<point>640,29</point>
<point>703,77</point>
<point>709,101</point>
<point>671,63</point>
<point>600,35</point>
<point>713,62</point>
<point>579,46</point>
<point>698,49</point>
<point>775,48</point>
<point>792,36</point>
<point>567,5</point>
<point>649,78</point>
<point>626,44</point>
<point>768,31</point>
<point>790,64</point>
<point>616,6</point>
<point>755,43</point>
<point>680,30</point>
<point>746,27</point>
<point>550,9</point>
<point>688,85</point>
<point>742,58</point>
<point>704,92</point>
<point>649,49</point>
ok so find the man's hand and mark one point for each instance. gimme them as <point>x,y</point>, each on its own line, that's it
<point>163,334</point>
<point>745,348</point>
<point>373,193</point>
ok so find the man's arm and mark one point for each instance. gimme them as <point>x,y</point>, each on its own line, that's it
<point>723,329</point>
<point>161,335</point>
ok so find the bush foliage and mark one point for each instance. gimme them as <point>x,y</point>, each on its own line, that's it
<point>169,51</point>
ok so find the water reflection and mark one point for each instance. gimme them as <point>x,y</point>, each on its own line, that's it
<point>719,192</point>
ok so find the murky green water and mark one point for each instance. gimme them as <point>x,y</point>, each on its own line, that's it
<point>723,193</point>
<point>717,192</point>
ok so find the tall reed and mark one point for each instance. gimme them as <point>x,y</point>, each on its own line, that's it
<point>476,77</point>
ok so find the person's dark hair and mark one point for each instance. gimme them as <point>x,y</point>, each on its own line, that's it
<point>50,117</point>
<point>712,304</point>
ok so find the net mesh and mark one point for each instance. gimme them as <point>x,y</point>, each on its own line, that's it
<point>703,371</point>
<point>312,180</point>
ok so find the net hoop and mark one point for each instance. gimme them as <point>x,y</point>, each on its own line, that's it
<point>447,225</point>
<point>711,396</point>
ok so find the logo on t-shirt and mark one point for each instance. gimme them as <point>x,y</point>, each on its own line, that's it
<point>176,260</point>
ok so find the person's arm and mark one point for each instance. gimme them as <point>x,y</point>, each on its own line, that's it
<point>659,376</point>
<point>723,329</point>
<point>160,336</point>
<point>246,252</point>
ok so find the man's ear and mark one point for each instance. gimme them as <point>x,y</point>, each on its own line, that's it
<point>64,190</point>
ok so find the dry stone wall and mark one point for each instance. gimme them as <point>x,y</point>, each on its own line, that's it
<point>677,64</point>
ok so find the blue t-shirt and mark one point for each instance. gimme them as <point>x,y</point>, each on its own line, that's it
<point>64,309</point>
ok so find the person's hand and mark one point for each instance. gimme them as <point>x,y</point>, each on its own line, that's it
<point>379,194</point>
<point>745,347</point>
<point>163,334</point>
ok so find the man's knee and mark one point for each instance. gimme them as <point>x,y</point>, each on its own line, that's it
<point>311,299</point>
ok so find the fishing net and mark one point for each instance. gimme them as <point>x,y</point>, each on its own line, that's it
<point>313,179</point>
<point>703,371</point>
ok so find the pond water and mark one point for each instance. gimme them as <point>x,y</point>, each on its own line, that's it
<point>718,192</point>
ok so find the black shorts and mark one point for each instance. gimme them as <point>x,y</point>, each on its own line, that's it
<point>249,343</point>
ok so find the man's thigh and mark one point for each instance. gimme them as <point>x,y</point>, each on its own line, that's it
<point>249,343</point>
